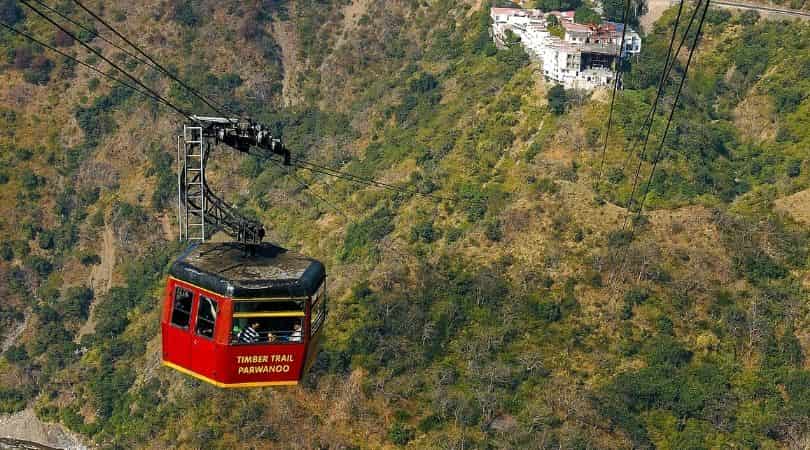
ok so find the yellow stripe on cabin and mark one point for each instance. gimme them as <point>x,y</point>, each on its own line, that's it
<point>269,314</point>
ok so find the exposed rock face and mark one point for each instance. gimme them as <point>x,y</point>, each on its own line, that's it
<point>26,426</point>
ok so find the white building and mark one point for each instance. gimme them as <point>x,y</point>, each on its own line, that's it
<point>583,58</point>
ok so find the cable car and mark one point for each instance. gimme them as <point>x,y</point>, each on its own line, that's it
<point>236,317</point>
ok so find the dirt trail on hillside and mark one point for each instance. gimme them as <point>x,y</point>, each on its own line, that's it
<point>285,36</point>
<point>101,277</point>
<point>351,15</point>
<point>11,338</point>
<point>25,425</point>
<point>655,8</point>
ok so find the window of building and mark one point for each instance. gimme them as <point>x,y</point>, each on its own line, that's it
<point>206,317</point>
<point>181,307</point>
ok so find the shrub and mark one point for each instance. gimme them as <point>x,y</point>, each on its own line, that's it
<point>400,434</point>
<point>40,71</point>
<point>10,12</point>
<point>11,400</point>
<point>493,230</point>
<point>620,238</point>
<point>161,167</point>
<point>30,180</point>
<point>39,265</point>
<point>749,17</point>
<point>22,57</point>
<point>424,232</point>
<point>62,39</point>
<point>90,259</point>
<point>557,99</point>
<point>76,302</point>
<point>794,168</point>
<point>473,201</point>
<point>587,15</point>
<point>184,13</point>
<point>548,311</point>
<point>45,240</point>
<point>423,83</point>
<point>16,354</point>
<point>360,236</point>
<point>6,251</point>
<point>557,5</point>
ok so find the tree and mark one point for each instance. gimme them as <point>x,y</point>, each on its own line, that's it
<point>557,5</point>
<point>614,10</point>
<point>40,71</point>
<point>587,15</point>
<point>557,99</point>
<point>10,12</point>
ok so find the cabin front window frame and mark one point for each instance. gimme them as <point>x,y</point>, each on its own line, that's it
<point>213,302</point>
<point>175,309</point>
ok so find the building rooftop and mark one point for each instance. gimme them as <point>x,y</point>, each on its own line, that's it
<point>229,269</point>
<point>506,10</point>
<point>576,27</point>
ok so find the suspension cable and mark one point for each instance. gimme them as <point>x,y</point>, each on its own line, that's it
<point>304,164</point>
<point>625,16</point>
<point>157,65</point>
<point>660,152</point>
<point>298,162</point>
<point>654,106</point>
<point>83,63</point>
<point>668,69</point>
<point>307,188</point>
<point>100,55</point>
<point>94,33</point>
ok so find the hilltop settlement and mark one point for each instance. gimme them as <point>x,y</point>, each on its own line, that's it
<point>576,55</point>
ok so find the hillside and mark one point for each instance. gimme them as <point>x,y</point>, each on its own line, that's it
<point>516,314</point>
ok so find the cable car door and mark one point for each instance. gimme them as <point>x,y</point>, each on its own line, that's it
<point>178,333</point>
<point>203,347</point>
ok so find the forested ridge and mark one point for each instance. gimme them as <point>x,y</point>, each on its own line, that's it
<point>511,310</point>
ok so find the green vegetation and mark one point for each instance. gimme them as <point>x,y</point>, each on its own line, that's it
<point>585,14</point>
<point>710,156</point>
<point>557,5</point>
<point>614,10</point>
<point>518,314</point>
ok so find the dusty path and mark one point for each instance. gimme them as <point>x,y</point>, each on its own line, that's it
<point>19,444</point>
<point>772,11</point>
<point>11,338</point>
<point>101,277</point>
<point>655,8</point>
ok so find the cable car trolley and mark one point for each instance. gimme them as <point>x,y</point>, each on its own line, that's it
<point>244,313</point>
<point>236,319</point>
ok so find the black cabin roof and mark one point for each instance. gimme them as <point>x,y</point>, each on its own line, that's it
<point>230,270</point>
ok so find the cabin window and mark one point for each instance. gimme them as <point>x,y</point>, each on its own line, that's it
<point>318,308</point>
<point>269,320</point>
<point>181,307</point>
<point>263,330</point>
<point>206,317</point>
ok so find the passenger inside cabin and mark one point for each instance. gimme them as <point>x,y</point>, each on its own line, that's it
<point>295,336</point>
<point>267,329</point>
<point>250,334</point>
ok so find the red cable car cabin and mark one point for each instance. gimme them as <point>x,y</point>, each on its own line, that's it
<point>217,290</point>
